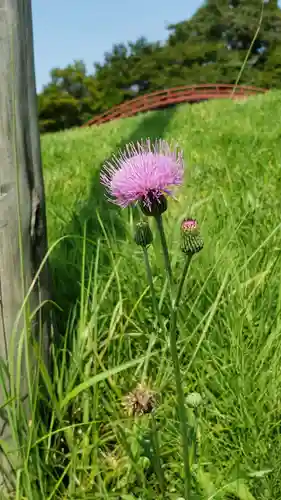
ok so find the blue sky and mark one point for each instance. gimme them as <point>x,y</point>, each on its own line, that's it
<point>65,30</point>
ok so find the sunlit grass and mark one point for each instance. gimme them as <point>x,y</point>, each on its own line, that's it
<point>230,325</point>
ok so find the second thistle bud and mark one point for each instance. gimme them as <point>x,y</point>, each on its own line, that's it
<point>143,234</point>
<point>191,240</point>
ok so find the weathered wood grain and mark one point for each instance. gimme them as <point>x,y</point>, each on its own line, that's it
<point>22,204</point>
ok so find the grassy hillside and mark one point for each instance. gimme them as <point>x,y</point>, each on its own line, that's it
<point>230,321</point>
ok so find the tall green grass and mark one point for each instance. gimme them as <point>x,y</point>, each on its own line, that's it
<point>229,322</point>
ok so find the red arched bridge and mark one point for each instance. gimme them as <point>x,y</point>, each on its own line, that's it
<point>177,95</point>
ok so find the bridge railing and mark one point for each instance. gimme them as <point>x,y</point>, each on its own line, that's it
<point>176,95</point>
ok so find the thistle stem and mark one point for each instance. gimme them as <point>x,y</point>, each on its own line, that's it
<point>152,289</point>
<point>179,386</point>
<point>183,277</point>
<point>174,353</point>
<point>159,222</point>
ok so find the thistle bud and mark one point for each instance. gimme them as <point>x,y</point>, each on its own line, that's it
<point>191,241</point>
<point>143,234</point>
<point>153,205</point>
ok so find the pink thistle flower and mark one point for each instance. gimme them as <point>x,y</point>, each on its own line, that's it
<point>189,225</point>
<point>145,173</point>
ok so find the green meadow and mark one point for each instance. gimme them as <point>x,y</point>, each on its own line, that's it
<point>229,330</point>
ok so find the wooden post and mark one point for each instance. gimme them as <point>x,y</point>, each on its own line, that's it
<point>23,240</point>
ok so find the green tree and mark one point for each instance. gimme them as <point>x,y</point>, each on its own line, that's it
<point>232,25</point>
<point>58,111</point>
<point>70,99</point>
<point>126,71</point>
<point>231,22</point>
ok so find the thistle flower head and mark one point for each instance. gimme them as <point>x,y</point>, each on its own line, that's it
<point>144,173</point>
<point>191,240</point>
<point>140,401</point>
